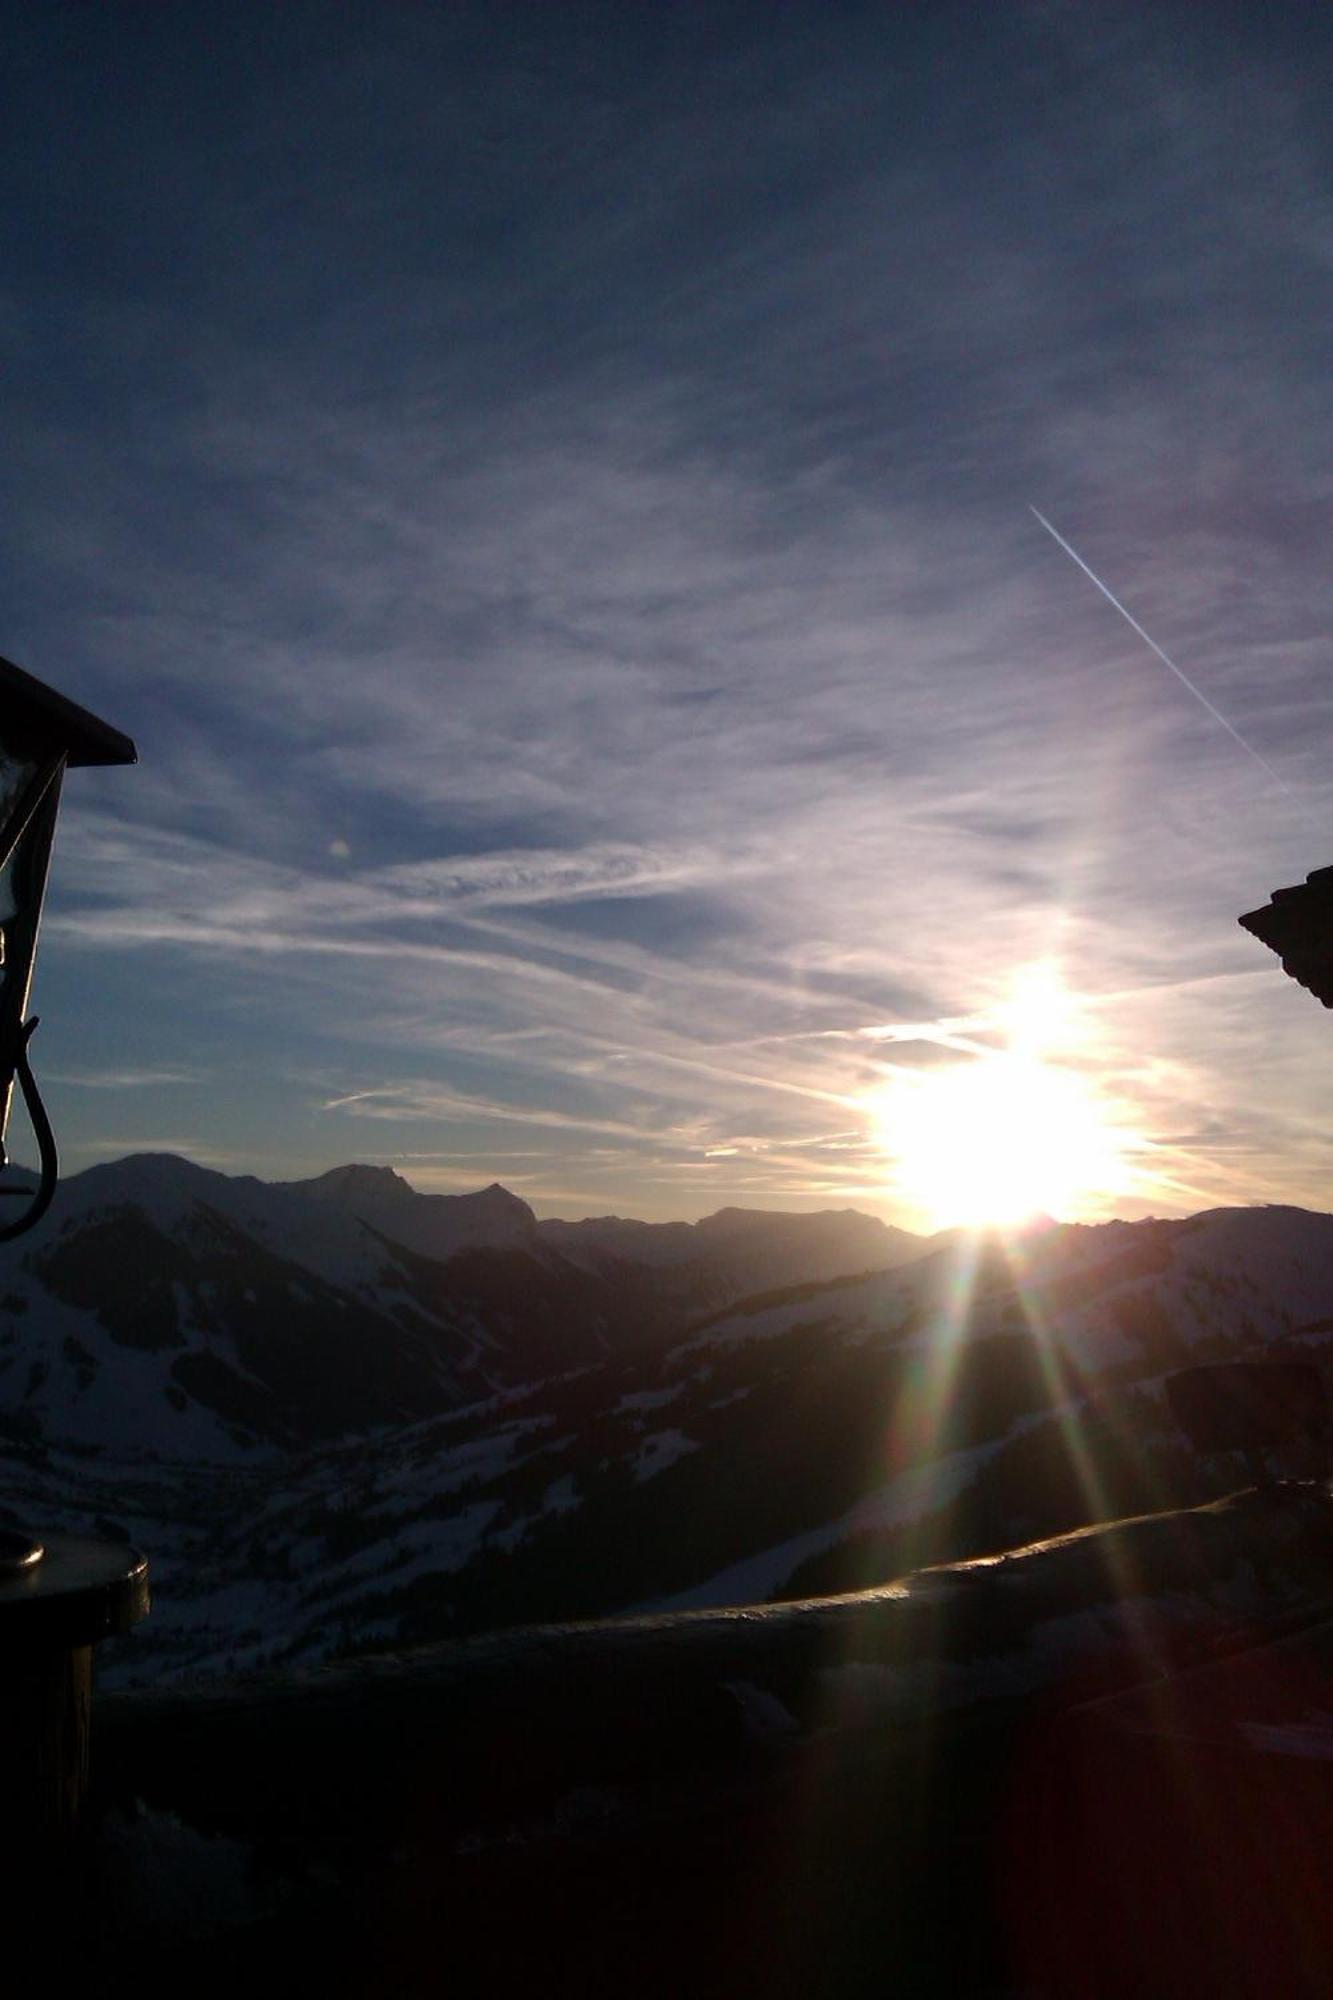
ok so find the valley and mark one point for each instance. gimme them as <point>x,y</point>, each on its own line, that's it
<point>330,1440</point>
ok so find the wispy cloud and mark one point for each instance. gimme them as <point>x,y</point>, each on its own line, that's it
<point>415,1101</point>
<point>124,1079</point>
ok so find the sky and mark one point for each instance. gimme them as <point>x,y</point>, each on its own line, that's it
<point>549,491</point>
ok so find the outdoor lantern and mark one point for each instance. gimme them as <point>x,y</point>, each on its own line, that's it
<point>40,733</point>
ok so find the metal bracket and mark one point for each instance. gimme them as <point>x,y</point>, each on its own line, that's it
<point>48,1162</point>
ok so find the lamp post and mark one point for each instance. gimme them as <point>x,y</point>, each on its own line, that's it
<point>41,734</point>
<point>58,1595</point>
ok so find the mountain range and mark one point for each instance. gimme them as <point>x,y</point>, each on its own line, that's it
<point>167,1308</point>
<point>340,1414</point>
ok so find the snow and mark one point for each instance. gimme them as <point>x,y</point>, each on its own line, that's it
<point>479,1459</point>
<point>1312,1738</point>
<point>922,1489</point>
<point>656,1453</point>
<point>258,1550</point>
<point>649,1399</point>
<point>124,1380</point>
<point>733,1396</point>
<point>880,1302</point>
<point>205,1626</point>
<point>756,1577</point>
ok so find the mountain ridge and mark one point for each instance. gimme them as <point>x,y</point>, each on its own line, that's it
<point>328,1440</point>
<point>169,1306</point>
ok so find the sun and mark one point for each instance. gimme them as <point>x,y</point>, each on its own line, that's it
<point>1002,1135</point>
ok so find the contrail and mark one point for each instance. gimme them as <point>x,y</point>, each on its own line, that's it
<point>1183,678</point>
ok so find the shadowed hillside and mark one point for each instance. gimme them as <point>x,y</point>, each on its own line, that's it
<point>329,1440</point>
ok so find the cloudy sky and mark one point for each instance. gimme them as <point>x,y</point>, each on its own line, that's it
<point>548,489</point>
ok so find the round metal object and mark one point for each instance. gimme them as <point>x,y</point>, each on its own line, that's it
<point>71,1592</point>
<point>18,1551</point>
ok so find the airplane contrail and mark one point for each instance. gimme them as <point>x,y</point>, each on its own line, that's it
<point>1166,661</point>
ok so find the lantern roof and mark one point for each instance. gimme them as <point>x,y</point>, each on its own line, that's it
<point>1298,925</point>
<point>85,738</point>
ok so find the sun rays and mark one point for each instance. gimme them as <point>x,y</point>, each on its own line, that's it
<point>1013,1127</point>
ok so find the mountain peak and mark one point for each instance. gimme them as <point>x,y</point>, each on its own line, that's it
<point>437,1225</point>
<point>358,1181</point>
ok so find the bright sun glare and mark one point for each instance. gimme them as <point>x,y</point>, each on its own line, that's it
<point>1003,1135</point>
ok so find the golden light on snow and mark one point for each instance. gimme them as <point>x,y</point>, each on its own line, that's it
<point>1005,1134</point>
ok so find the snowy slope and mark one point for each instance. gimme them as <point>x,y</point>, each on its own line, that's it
<point>162,1307</point>
<point>825,1438</point>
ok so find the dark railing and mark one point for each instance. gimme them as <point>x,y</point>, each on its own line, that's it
<point>687,1804</point>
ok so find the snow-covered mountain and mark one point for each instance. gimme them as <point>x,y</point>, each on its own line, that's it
<point>326,1439</point>
<point>161,1307</point>
<point>698,1265</point>
<point>164,1307</point>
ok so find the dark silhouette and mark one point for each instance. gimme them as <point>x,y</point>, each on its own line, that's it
<point>1278,1408</point>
